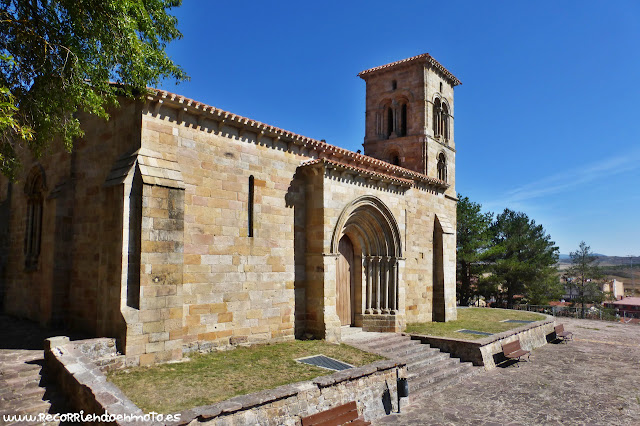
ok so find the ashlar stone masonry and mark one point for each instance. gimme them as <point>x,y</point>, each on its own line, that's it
<point>177,226</point>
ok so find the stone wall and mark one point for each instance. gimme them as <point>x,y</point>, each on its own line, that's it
<point>373,387</point>
<point>487,351</point>
<point>75,366</point>
<point>236,288</point>
<point>76,279</point>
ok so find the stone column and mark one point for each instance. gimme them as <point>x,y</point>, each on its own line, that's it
<point>393,287</point>
<point>385,284</point>
<point>376,277</point>
<point>367,268</point>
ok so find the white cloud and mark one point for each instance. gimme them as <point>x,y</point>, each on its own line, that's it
<point>570,179</point>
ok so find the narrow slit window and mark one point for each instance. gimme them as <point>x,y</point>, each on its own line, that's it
<point>250,207</point>
<point>33,232</point>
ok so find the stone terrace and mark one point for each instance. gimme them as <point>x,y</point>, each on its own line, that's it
<point>592,380</point>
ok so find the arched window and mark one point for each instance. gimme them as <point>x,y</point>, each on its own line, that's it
<point>390,125</point>
<point>437,114</point>
<point>442,167</point>
<point>403,120</point>
<point>394,159</point>
<point>445,122</point>
<point>34,190</point>
<point>440,119</point>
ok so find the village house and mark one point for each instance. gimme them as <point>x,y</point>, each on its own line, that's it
<point>177,226</point>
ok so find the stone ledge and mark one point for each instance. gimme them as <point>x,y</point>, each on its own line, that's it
<point>262,398</point>
<point>486,351</point>
<point>81,380</point>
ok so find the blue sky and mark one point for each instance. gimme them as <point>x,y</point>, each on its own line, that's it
<point>546,119</point>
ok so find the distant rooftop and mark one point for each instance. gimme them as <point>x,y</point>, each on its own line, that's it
<point>635,301</point>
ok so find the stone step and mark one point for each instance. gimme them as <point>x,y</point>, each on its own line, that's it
<point>382,344</point>
<point>427,358</point>
<point>402,349</point>
<point>421,356</point>
<point>433,368</point>
<point>384,340</point>
<point>35,392</point>
<point>425,384</point>
<point>444,383</point>
<point>428,369</point>
<point>417,354</point>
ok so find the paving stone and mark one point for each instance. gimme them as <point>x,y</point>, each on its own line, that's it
<point>592,380</point>
<point>23,389</point>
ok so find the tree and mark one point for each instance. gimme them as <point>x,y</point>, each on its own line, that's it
<point>545,289</point>
<point>473,239</point>
<point>524,257</point>
<point>584,274</point>
<point>58,57</point>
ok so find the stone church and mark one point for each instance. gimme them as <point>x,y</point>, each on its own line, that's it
<point>177,226</point>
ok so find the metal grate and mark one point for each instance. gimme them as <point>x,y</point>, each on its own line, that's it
<point>323,361</point>
<point>480,333</point>
<point>518,321</point>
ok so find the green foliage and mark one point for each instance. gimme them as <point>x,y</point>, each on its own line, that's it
<point>585,276</point>
<point>473,240</point>
<point>61,57</point>
<point>523,256</point>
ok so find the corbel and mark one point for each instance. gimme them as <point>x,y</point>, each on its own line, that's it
<point>156,108</point>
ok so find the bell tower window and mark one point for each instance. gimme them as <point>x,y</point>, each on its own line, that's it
<point>403,120</point>
<point>442,167</point>
<point>440,120</point>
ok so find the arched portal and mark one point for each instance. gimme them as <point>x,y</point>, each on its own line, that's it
<point>373,232</point>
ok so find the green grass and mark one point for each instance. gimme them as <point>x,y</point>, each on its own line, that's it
<point>209,378</point>
<point>479,319</point>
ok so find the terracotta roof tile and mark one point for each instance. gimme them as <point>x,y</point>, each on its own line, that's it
<point>358,170</point>
<point>424,56</point>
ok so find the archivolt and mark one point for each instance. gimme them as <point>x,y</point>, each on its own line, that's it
<point>369,221</point>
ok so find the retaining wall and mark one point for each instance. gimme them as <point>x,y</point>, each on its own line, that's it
<point>487,351</point>
<point>75,367</point>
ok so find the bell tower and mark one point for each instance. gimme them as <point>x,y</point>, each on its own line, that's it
<point>409,116</point>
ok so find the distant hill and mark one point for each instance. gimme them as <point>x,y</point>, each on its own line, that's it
<point>605,260</point>
<point>614,267</point>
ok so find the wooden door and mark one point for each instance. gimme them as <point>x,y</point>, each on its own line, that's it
<point>344,281</point>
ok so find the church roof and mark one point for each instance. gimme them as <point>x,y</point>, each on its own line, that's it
<point>323,149</point>
<point>425,57</point>
<point>359,170</point>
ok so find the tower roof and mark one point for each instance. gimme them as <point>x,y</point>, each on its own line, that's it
<point>425,58</point>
